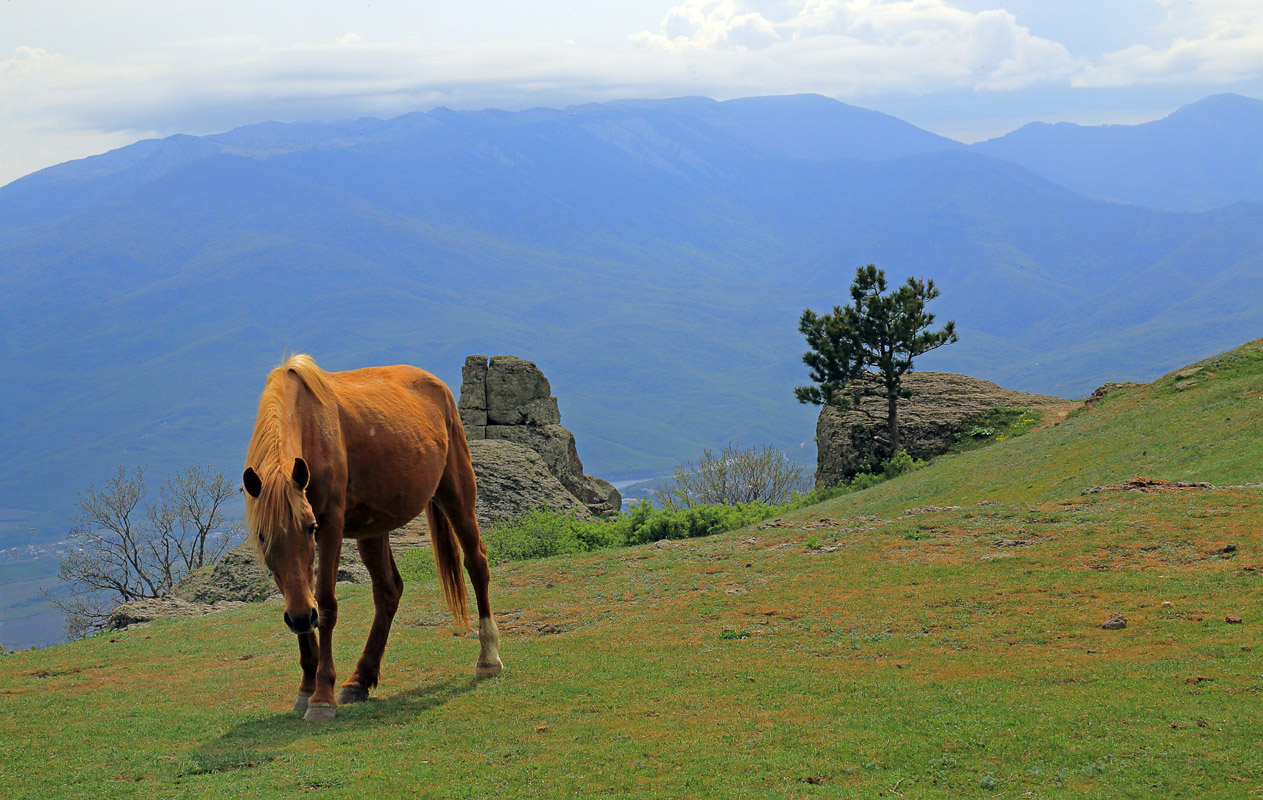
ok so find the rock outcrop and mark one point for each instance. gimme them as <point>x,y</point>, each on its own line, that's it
<point>942,403</point>
<point>508,399</point>
<point>1107,389</point>
<point>238,576</point>
<point>139,611</point>
<point>513,479</point>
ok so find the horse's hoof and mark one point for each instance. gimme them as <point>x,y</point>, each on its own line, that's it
<point>320,712</point>
<point>491,670</point>
<point>300,704</point>
<point>352,694</point>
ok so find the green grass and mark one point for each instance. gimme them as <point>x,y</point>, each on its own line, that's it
<point>927,653</point>
<point>844,649</point>
<point>997,425</point>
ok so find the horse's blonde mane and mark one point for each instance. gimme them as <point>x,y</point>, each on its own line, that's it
<point>279,503</point>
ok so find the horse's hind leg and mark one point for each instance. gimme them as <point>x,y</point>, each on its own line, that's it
<point>387,589</point>
<point>456,496</point>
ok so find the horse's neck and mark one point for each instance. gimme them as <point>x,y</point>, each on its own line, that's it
<point>308,425</point>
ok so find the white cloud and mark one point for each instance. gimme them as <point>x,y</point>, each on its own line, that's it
<point>719,48</point>
<point>64,104</point>
<point>852,47</point>
<point>1207,42</point>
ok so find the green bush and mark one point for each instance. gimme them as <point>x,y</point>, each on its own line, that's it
<point>819,495</point>
<point>541,533</point>
<point>648,524</point>
<point>865,480</point>
<point>900,464</point>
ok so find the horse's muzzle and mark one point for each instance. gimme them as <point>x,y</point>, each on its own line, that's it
<point>303,625</point>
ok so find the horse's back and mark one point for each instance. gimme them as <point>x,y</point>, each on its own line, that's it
<point>402,387</point>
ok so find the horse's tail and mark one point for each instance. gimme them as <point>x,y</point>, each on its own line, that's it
<point>447,558</point>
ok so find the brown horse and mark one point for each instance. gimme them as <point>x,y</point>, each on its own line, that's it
<point>355,455</point>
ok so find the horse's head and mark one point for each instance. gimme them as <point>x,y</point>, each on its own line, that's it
<point>283,529</point>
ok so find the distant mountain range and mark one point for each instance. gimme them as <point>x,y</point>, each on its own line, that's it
<point>653,257</point>
<point>1203,156</point>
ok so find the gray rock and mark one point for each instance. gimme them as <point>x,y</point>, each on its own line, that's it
<point>553,443</point>
<point>601,496</point>
<point>513,480</point>
<point>239,578</point>
<point>473,397</point>
<point>236,576</point>
<point>1106,389</point>
<point>513,383</point>
<point>473,383</point>
<point>942,404</point>
<point>1116,622</point>
<point>353,572</point>
<point>139,611</point>
<point>543,411</point>
<point>508,399</point>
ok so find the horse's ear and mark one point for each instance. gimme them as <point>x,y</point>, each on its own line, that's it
<point>250,479</point>
<point>301,474</point>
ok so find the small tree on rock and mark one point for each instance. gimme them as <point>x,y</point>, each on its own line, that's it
<point>863,349</point>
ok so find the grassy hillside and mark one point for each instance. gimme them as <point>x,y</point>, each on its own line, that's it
<point>946,655</point>
<point>1211,430</point>
<point>856,651</point>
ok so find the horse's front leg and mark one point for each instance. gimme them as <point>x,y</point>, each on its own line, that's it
<point>387,588</point>
<point>307,659</point>
<point>323,705</point>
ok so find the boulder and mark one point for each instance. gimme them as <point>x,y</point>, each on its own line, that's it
<point>508,399</point>
<point>237,576</point>
<point>473,397</point>
<point>600,495</point>
<point>553,443</point>
<point>513,386</point>
<point>942,404</point>
<point>513,480</point>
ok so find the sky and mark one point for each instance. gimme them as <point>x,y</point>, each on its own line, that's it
<point>79,77</point>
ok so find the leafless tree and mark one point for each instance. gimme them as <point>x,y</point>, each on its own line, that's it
<point>120,553</point>
<point>734,476</point>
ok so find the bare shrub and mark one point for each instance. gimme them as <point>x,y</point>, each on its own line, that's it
<point>121,553</point>
<point>734,476</point>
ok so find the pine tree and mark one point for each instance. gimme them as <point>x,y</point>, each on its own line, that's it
<point>863,349</point>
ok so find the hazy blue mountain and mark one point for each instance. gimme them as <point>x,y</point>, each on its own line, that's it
<point>1202,156</point>
<point>652,257</point>
<point>807,126</point>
